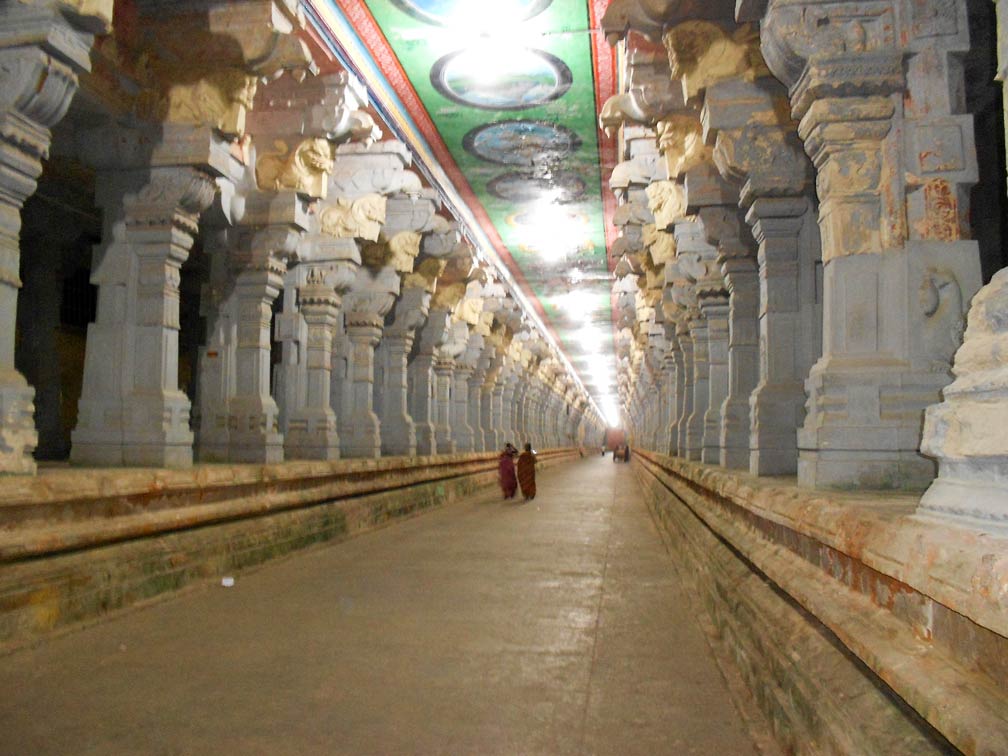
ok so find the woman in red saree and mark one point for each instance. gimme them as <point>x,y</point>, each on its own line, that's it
<point>506,471</point>
<point>526,472</point>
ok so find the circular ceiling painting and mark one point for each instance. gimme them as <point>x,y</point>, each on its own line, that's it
<point>494,78</point>
<point>521,142</point>
<point>467,12</point>
<point>524,187</point>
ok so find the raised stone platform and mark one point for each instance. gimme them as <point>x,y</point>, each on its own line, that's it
<point>900,623</point>
<point>77,543</point>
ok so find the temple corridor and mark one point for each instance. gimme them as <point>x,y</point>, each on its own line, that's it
<point>553,627</point>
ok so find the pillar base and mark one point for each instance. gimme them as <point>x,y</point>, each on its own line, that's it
<point>141,443</point>
<point>864,468</point>
<point>364,438</point>
<point>734,437</point>
<point>444,441</point>
<point>398,437</point>
<point>312,436</point>
<point>426,440</point>
<point>777,411</point>
<point>18,436</point>
<point>972,498</point>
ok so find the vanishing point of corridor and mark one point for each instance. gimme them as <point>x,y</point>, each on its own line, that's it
<point>486,627</point>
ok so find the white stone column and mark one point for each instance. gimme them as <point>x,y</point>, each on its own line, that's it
<point>131,410</point>
<point>311,431</point>
<point>444,378</point>
<point>462,431</point>
<point>790,326</point>
<point>880,118</point>
<point>423,396</point>
<point>965,433</point>
<point>398,429</point>
<point>43,48</point>
<point>360,433</point>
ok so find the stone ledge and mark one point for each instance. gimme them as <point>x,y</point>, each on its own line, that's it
<point>65,510</point>
<point>104,552</point>
<point>848,560</point>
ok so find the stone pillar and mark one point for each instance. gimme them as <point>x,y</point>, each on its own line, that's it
<point>790,329</point>
<point>131,410</point>
<point>738,268</point>
<point>43,48</point>
<point>476,415</point>
<point>312,428</point>
<point>879,102</point>
<point>443,384</point>
<point>462,431</point>
<point>253,414</point>
<point>398,430</point>
<point>700,387</point>
<point>684,408</point>
<point>423,394</point>
<point>369,300</point>
<point>715,309</point>
<point>360,434</point>
<point>965,433</point>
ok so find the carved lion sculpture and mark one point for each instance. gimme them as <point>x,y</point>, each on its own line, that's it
<point>667,201</point>
<point>358,219</point>
<point>702,53</point>
<point>305,170</point>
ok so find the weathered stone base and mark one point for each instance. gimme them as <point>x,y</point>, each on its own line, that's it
<point>76,544</point>
<point>857,627</point>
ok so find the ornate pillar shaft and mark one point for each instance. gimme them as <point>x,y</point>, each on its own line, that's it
<point>684,406</point>
<point>41,53</point>
<point>699,386</point>
<point>462,431</point>
<point>422,402</point>
<point>398,432</point>
<point>252,411</point>
<point>789,329</point>
<point>879,101</point>
<point>715,309</point>
<point>312,428</point>
<point>743,360</point>
<point>443,432</point>
<point>131,410</point>
<point>361,436</point>
<point>965,433</point>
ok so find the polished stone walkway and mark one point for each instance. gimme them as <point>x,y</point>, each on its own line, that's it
<point>553,627</point>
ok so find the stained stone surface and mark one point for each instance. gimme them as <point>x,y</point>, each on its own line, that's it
<point>554,627</point>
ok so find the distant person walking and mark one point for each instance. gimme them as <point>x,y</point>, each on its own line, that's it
<point>506,471</point>
<point>526,472</point>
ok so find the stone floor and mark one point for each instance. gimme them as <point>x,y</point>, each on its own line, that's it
<point>487,627</point>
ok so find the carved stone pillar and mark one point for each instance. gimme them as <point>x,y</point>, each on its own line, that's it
<point>714,307</point>
<point>423,395</point>
<point>965,433</point>
<point>131,410</point>
<point>790,329</point>
<point>462,431</point>
<point>878,95</point>
<point>684,405</point>
<point>398,430</point>
<point>444,379</point>
<point>700,387</point>
<point>43,48</point>
<point>676,368</point>
<point>312,428</point>
<point>360,433</point>
<point>738,268</point>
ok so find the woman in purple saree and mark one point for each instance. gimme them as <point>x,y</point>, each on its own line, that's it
<point>506,471</point>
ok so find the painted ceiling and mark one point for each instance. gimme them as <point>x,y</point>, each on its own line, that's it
<point>502,98</point>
